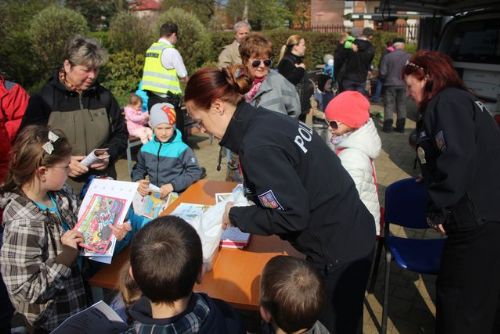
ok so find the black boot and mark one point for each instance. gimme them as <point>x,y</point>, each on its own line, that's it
<point>387,127</point>
<point>400,125</point>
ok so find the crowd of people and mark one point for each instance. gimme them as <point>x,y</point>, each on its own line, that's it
<point>319,195</point>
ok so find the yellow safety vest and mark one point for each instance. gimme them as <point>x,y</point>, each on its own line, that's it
<point>157,78</point>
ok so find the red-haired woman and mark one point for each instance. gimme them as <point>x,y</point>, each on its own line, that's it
<point>458,149</point>
<point>302,192</point>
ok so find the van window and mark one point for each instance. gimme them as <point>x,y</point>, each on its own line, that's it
<point>474,41</point>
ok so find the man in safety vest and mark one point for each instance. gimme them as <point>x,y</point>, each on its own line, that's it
<point>163,68</point>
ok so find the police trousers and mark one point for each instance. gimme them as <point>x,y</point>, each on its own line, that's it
<point>345,285</point>
<point>468,284</point>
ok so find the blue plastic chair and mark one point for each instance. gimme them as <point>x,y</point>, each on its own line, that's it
<point>406,205</point>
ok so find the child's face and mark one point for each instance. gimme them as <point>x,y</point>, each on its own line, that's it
<point>56,175</point>
<point>164,132</point>
<point>137,106</point>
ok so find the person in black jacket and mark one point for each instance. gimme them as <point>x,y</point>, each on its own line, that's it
<point>291,66</point>
<point>458,148</point>
<point>73,101</point>
<point>302,192</point>
<point>357,62</point>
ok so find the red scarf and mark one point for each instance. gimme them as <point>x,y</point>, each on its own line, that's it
<point>255,88</point>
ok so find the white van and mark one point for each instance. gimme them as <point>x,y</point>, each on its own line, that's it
<point>473,42</point>
<point>469,32</point>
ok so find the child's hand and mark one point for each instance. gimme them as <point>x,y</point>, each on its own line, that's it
<point>166,189</point>
<point>75,167</point>
<point>225,218</point>
<point>143,187</point>
<point>72,238</point>
<point>121,231</point>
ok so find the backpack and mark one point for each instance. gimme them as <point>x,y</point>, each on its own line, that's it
<point>305,89</point>
<point>13,103</point>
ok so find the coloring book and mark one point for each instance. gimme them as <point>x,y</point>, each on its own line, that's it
<point>106,203</point>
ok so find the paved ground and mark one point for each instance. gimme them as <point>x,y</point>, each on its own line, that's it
<point>411,296</point>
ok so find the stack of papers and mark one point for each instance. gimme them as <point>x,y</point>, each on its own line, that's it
<point>232,237</point>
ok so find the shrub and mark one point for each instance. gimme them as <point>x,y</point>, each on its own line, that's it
<point>102,37</point>
<point>122,72</point>
<point>50,30</point>
<point>129,33</point>
<point>219,40</point>
<point>194,41</point>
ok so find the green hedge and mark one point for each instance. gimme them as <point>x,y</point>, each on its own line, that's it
<point>122,73</point>
<point>49,40</point>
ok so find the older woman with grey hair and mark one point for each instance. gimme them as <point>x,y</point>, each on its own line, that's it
<point>73,101</point>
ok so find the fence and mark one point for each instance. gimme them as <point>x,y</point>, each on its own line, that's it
<point>410,31</point>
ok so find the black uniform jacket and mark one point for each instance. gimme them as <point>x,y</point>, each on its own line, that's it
<point>302,192</point>
<point>459,152</point>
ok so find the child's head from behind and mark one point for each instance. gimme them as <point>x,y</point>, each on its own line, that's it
<point>291,294</point>
<point>39,155</point>
<point>166,259</point>
<point>135,101</point>
<point>162,120</point>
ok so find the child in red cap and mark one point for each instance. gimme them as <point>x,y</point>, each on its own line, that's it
<point>357,144</point>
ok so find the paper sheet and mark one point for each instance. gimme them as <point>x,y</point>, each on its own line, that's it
<point>98,318</point>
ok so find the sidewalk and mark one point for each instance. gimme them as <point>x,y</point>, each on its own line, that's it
<point>411,296</point>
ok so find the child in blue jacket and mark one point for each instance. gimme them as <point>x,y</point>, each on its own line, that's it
<point>168,162</point>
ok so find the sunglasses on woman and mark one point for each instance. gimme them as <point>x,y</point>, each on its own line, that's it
<point>333,124</point>
<point>256,63</point>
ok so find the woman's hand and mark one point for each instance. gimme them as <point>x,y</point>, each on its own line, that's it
<point>121,231</point>
<point>301,65</point>
<point>166,189</point>
<point>75,167</point>
<point>143,187</point>
<point>102,164</point>
<point>225,218</point>
<point>72,239</point>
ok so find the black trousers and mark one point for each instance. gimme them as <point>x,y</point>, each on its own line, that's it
<point>468,284</point>
<point>345,286</point>
<point>179,115</point>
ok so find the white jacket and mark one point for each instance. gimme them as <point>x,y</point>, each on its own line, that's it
<point>356,152</point>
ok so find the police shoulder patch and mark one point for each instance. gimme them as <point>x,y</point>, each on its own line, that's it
<point>440,141</point>
<point>268,200</point>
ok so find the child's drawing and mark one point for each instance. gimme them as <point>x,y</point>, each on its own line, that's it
<point>153,205</point>
<point>95,222</point>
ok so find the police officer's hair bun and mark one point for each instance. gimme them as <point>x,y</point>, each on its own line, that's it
<point>238,78</point>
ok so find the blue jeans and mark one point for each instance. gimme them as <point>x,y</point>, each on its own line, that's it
<point>378,91</point>
<point>354,85</point>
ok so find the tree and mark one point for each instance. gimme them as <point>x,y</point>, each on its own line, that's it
<point>49,40</point>
<point>16,52</point>
<point>194,40</point>
<point>127,32</point>
<point>262,14</point>
<point>97,12</point>
<point>203,9</point>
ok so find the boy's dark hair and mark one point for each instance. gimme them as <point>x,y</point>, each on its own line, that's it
<point>168,29</point>
<point>166,259</point>
<point>292,291</point>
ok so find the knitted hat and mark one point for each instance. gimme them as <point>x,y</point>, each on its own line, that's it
<point>350,108</point>
<point>162,113</point>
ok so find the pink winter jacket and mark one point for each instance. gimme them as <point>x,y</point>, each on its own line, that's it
<point>136,119</point>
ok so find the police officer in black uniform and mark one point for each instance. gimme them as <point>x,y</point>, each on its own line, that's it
<point>458,150</point>
<point>301,191</point>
